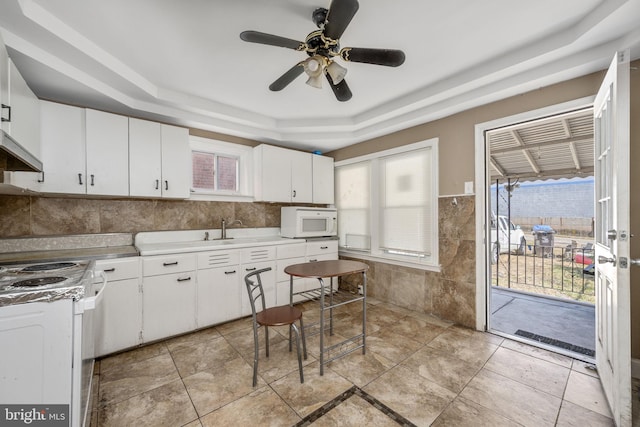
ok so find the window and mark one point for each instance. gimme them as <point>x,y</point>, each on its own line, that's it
<point>387,205</point>
<point>220,170</point>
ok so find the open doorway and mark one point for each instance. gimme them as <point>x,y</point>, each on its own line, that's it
<point>540,198</point>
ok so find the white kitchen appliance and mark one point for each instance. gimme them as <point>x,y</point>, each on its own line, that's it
<point>46,331</point>
<point>300,222</point>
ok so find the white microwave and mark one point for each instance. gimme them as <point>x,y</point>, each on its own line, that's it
<point>298,222</point>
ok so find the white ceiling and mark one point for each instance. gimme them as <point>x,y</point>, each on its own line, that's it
<point>183,61</point>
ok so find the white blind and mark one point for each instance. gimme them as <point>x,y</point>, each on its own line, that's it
<point>405,198</point>
<point>353,203</point>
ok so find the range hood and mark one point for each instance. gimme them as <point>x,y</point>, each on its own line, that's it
<point>14,157</point>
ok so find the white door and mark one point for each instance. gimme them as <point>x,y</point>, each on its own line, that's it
<point>613,327</point>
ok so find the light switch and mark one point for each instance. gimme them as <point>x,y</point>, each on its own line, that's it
<point>468,187</point>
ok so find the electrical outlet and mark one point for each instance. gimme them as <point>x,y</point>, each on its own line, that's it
<point>468,187</point>
<point>360,291</point>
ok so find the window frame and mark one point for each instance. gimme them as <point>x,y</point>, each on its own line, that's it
<point>431,260</point>
<point>244,155</point>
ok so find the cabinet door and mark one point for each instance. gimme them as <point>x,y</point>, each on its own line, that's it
<point>176,159</point>
<point>120,317</point>
<point>323,180</point>
<point>301,176</point>
<point>168,305</point>
<point>62,148</point>
<point>4,84</point>
<point>268,285</point>
<point>145,158</point>
<point>107,139</point>
<point>25,112</point>
<point>219,295</point>
<point>275,182</point>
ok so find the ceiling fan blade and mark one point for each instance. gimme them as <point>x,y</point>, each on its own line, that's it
<point>388,57</point>
<point>270,39</point>
<point>340,13</point>
<point>341,90</point>
<point>287,77</point>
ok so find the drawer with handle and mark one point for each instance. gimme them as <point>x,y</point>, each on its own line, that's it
<point>120,269</point>
<point>165,264</point>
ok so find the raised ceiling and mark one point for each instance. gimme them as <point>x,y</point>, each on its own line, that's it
<point>183,61</point>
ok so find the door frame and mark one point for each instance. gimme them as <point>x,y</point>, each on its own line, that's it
<point>481,195</point>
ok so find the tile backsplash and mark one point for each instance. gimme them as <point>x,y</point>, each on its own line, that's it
<point>42,216</point>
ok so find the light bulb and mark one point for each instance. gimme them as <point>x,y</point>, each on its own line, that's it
<point>336,72</point>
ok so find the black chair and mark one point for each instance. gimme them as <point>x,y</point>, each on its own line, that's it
<point>272,316</point>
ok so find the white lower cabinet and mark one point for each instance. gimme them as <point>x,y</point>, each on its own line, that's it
<point>218,287</point>
<point>119,320</point>
<point>169,295</point>
<point>289,255</point>
<point>254,259</point>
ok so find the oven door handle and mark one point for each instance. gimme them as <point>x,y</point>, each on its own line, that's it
<point>90,303</point>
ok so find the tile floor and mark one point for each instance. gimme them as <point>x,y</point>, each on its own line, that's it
<point>418,370</point>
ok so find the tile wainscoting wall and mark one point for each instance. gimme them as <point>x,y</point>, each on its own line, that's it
<point>449,294</point>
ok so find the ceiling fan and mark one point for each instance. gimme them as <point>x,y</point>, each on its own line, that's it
<point>323,46</point>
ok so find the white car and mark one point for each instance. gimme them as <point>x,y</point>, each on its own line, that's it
<point>504,233</point>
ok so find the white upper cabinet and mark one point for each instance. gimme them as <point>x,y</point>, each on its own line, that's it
<point>4,87</point>
<point>176,162</point>
<point>158,160</point>
<point>107,139</point>
<point>282,175</point>
<point>323,180</point>
<point>24,126</point>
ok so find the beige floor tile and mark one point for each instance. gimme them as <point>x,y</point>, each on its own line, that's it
<point>167,405</point>
<point>280,362</point>
<point>585,368</point>
<point>315,392</point>
<point>392,346</point>
<point>235,325</point>
<point>263,405</point>
<point>134,378</point>
<point>469,346</point>
<point>177,343</point>
<point>203,356</point>
<point>195,423</point>
<point>381,315</point>
<point>355,412</point>
<point>537,373</point>
<point>540,353</point>
<point>430,318</point>
<point>415,398</point>
<point>416,329</point>
<point>481,336</point>
<point>361,369</point>
<point>586,391</point>
<point>512,399</point>
<point>443,369</point>
<point>242,340</point>
<point>464,413</point>
<point>119,360</point>
<point>576,416</point>
<point>209,390</point>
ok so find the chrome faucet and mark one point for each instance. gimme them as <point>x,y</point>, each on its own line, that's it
<point>224,227</point>
<point>206,235</point>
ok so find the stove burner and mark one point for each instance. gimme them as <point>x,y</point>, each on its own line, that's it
<point>40,281</point>
<point>48,267</point>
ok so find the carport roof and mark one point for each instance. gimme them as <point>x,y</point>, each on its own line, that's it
<point>559,146</point>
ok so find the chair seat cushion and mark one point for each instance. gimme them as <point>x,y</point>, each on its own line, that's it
<point>278,316</point>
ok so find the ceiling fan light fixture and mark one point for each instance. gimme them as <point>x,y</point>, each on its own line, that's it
<point>313,66</point>
<point>336,71</point>
<point>315,81</point>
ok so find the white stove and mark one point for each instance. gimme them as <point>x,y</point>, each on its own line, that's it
<point>46,331</point>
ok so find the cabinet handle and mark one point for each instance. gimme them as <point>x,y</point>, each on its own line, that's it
<point>157,184</point>
<point>313,260</point>
<point>80,178</point>
<point>92,180</point>
<point>41,180</point>
<point>184,279</point>
<point>167,264</point>
<point>8,107</point>
<point>166,185</point>
<point>109,270</point>
<point>230,272</point>
<point>294,193</point>
<point>324,247</point>
<point>250,269</point>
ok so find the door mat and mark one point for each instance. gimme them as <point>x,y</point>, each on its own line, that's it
<point>354,391</point>
<point>556,343</point>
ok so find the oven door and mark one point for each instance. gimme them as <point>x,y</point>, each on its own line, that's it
<point>87,312</point>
